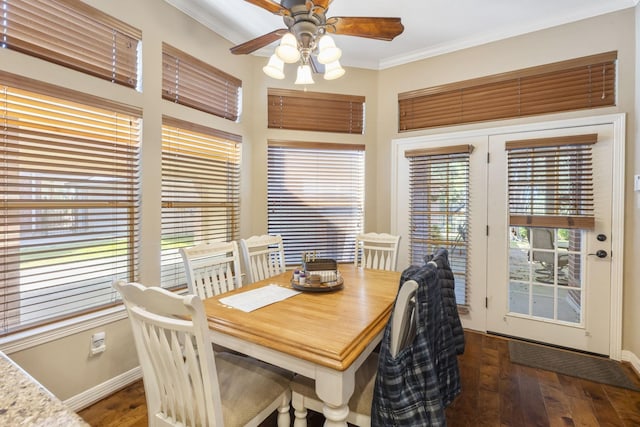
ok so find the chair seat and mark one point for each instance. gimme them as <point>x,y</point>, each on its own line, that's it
<point>360,402</point>
<point>247,386</point>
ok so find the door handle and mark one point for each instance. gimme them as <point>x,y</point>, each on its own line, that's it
<point>600,253</point>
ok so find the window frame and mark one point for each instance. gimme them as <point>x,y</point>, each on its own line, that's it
<point>303,160</point>
<point>85,105</point>
<point>445,160</point>
<point>75,35</point>
<point>188,144</point>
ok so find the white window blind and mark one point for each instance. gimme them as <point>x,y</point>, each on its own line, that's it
<point>189,81</point>
<point>551,182</point>
<point>439,208</point>
<point>75,35</point>
<point>200,191</point>
<point>70,204</point>
<point>316,198</point>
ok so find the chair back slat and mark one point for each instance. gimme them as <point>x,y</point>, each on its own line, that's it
<point>264,256</point>
<point>377,251</point>
<point>212,268</point>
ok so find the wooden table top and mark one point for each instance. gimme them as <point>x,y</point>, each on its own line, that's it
<point>327,328</point>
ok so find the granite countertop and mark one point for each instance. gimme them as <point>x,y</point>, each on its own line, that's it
<point>25,402</point>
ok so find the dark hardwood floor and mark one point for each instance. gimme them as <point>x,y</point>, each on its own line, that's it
<point>495,392</point>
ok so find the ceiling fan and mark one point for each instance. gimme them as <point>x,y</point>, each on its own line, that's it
<point>307,21</point>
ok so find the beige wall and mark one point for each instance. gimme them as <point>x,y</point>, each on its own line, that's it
<point>610,32</point>
<point>64,365</point>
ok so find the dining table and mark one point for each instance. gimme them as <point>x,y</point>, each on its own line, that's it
<point>324,335</point>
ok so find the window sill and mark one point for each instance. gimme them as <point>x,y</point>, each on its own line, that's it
<point>44,334</point>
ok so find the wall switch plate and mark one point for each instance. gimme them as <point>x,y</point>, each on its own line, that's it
<point>636,183</point>
<point>98,343</point>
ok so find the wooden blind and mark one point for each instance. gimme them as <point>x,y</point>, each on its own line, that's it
<point>439,208</point>
<point>75,35</point>
<point>588,82</point>
<point>551,182</point>
<point>200,191</point>
<point>188,81</point>
<point>316,198</point>
<point>315,111</point>
<point>69,175</point>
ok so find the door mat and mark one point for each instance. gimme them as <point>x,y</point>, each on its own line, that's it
<point>583,366</point>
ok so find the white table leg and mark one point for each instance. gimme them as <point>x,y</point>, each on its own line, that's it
<point>335,416</point>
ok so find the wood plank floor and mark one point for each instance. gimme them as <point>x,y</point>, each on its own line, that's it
<point>495,392</point>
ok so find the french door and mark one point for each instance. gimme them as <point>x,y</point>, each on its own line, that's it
<point>551,283</point>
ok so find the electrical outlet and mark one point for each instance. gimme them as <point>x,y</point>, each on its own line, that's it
<point>98,343</point>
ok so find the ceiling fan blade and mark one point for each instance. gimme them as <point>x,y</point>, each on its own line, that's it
<point>372,28</point>
<point>269,5</point>
<point>324,4</point>
<point>258,42</point>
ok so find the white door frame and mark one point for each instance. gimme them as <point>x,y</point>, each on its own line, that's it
<point>399,213</point>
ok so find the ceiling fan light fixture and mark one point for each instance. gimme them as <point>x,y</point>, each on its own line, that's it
<point>304,75</point>
<point>288,50</point>
<point>333,70</point>
<point>328,52</point>
<point>275,67</point>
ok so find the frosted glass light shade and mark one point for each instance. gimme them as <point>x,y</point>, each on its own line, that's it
<point>328,52</point>
<point>333,71</point>
<point>288,49</point>
<point>275,68</point>
<point>304,75</point>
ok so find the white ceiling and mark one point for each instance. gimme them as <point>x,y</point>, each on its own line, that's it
<point>431,27</point>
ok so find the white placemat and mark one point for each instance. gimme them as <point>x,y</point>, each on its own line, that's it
<point>257,298</point>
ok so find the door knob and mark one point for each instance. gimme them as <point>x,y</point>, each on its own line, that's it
<point>600,253</point>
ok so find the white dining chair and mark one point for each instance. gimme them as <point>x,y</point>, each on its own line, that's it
<point>212,268</point>
<point>263,256</point>
<point>403,328</point>
<point>185,383</point>
<point>377,251</point>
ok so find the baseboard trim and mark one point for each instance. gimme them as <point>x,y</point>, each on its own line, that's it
<point>628,356</point>
<point>99,392</point>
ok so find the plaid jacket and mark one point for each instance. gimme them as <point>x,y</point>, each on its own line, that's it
<point>414,388</point>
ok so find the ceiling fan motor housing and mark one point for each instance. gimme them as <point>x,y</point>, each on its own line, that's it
<point>305,24</point>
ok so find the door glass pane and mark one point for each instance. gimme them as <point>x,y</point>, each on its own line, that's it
<point>518,297</point>
<point>543,299</point>
<point>545,273</point>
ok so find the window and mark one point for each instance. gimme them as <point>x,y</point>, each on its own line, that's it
<point>75,35</point>
<point>551,182</point>
<point>581,83</point>
<point>551,200</point>
<point>200,191</point>
<point>316,198</point>
<point>70,212</point>
<point>315,111</point>
<point>188,81</point>
<point>439,208</point>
